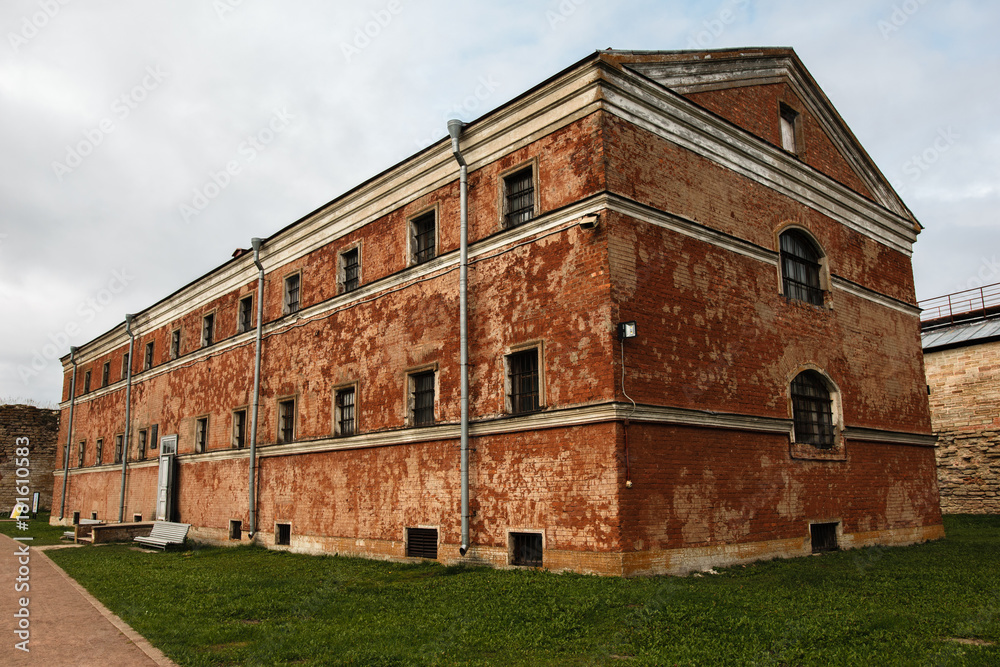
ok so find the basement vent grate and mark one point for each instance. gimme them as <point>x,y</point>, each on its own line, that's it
<point>526,549</point>
<point>824,537</point>
<point>93,516</point>
<point>136,518</point>
<point>283,534</point>
<point>76,518</point>
<point>235,529</point>
<point>422,542</point>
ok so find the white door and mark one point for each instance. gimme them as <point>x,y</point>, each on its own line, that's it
<point>163,487</point>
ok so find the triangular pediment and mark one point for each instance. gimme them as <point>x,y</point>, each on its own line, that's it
<point>695,74</point>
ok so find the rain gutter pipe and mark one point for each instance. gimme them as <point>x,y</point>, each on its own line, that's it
<point>128,415</point>
<point>69,434</point>
<point>455,131</point>
<point>256,242</point>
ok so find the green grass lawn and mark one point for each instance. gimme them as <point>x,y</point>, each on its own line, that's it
<point>250,606</point>
<point>38,529</point>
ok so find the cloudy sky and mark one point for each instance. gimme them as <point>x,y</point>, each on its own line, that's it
<point>116,119</point>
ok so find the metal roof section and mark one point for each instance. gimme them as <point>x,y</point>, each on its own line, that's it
<point>958,335</point>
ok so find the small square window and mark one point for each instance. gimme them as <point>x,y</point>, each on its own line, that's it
<point>422,398</point>
<point>422,238</point>
<point>148,362</point>
<point>246,314</point>
<point>86,382</point>
<point>422,543</point>
<point>350,270</point>
<point>345,423</point>
<point>519,197</point>
<point>200,435</point>
<point>235,529</point>
<point>292,285</point>
<point>823,537</point>
<point>523,382</point>
<point>239,429</point>
<point>119,439</point>
<point>789,129</point>
<point>286,420</point>
<point>283,534</point>
<point>136,518</point>
<point>106,374</point>
<point>143,437</point>
<point>81,453</point>
<point>98,451</point>
<point>175,343</point>
<point>208,330</point>
<point>526,549</point>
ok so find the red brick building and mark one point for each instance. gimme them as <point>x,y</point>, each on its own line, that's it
<point>716,199</point>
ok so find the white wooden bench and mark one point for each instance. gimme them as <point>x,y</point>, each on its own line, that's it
<point>165,533</point>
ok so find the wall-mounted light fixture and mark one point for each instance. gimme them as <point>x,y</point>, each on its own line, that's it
<point>589,221</point>
<point>627,330</point>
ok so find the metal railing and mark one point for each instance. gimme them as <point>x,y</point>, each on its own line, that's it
<point>961,306</point>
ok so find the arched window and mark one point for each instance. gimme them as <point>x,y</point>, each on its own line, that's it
<point>812,410</point>
<point>800,267</point>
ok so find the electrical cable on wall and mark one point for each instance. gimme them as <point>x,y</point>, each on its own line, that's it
<point>627,330</point>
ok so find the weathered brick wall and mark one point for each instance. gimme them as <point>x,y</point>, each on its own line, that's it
<point>40,428</point>
<point>965,413</point>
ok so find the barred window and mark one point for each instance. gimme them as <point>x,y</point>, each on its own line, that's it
<point>286,420</point>
<point>119,439</point>
<point>98,451</point>
<point>246,314</point>
<point>208,330</point>
<point>350,263</point>
<point>175,343</point>
<point>422,397</point>
<point>200,435</point>
<point>812,410</point>
<point>800,268</point>
<point>422,230</point>
<point>86,382</point>
<point>81,452</point>
<point>148,363</point>
<point>522,377</point>
<point>519,197</point>
<point>125,367</point>
<point>143,436</point>
<point>292,285</point>
<point>345,420</point>
<point>106,374</point>
<point>239,429</point>
<point>526,549</point>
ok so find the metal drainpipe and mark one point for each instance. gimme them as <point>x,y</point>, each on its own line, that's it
<point>69,435</point>
<point>256,385</point>
<point>455,131</point>
<point>128,414</point>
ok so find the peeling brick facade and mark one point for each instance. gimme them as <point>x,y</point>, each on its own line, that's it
<point>691,192</point>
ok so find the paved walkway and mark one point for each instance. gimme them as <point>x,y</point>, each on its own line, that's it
<point>68,626</point>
